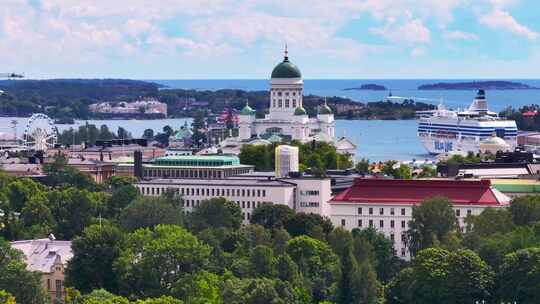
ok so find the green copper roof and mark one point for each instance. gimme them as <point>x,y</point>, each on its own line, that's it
<point>325,109</point>
<point>247,110</point>
<point>183,133</point>
<point>286,69</point>
<point>197,160</point>
<point>300,111</point>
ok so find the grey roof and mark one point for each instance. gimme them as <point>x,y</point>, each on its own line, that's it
<point>261,182</point>
<point>41,254</point>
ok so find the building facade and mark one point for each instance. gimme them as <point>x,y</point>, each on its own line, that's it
<point>287,116</point>
<point>48,257</point>
<point>302,194</point>
<point>387,204</point>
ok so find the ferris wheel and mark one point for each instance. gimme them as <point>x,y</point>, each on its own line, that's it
<point>40,133</point>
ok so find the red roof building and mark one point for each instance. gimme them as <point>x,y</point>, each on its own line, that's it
<point>414,191</point>
<point>529,114</point>
<point>387,204</point>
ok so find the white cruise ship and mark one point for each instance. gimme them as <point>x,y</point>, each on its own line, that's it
<point>444,130</point>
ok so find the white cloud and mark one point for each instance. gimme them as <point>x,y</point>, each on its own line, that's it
<point>411,32</point>
<point>500,19</point>
<point>74,34</point>
<point>458,35</point>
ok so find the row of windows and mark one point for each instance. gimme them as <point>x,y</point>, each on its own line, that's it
<point>458,212</point>
<point>206,191</point>
<point>403,211</point>
<point>171,172</point>
<point>370,223</point>
<point>309,204</point>
<point>381,211</point>
<point>286,93</point>
<point>279,103</point>
<point>309,192</point>
<point>242,204</point>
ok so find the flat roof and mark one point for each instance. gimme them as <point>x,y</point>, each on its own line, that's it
<point>216,182</point>
<point>198,160</point>
<point>516,185</point>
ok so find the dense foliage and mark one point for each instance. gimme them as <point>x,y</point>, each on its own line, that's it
<point>526,123</point>
<point>67,98</point>
<point>133,249</point>
<point>315,156</point>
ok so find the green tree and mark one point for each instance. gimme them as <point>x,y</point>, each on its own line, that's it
<point>73,210</point>
<point>154,260</point>
<point>519,277</point>
<point>383,257</point>
<point>94,253</point>
<point>271,216</point>
<point>287,270</point>
<point>59,174</point>
<point>199,288</point>
<point>6,298</point>
<point>317,263</point>
<point>199,125</point>
<point>24,285</point>
<point>525,210</point>
<point>148,133</point>
<point>262,262</point>
<point>216,213</point>
<point>120,198</point>
<point>490,221</point>
<point>147,212</point>
<point>362,166</point>
<point>432,223</point>
<point>168,130</point>
<point>308,224</point>
<point>280,238</point>
<point>441,276</point>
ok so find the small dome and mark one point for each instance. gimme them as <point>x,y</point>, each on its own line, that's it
<point>247,110</point>
<point>494,144</point>
<point>494,140</point>
<point>300,111</point>
<point>325,109</point>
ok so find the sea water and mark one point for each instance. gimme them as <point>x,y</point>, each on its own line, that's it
<point>377,140</point>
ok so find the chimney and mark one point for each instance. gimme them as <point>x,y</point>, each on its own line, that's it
<point>137,164</point>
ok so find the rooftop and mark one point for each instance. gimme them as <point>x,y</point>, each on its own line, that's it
<point>262,182</point>
<point>415,191</point>
<point>198,160</point>
<point>41,254</point>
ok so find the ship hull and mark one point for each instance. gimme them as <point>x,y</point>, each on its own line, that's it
<point>442,136</point>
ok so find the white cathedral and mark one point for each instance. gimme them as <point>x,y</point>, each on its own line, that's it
<point>287,117</point>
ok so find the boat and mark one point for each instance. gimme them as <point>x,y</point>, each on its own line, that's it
<point>444,130</point>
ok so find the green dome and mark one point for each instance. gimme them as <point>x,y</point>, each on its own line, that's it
<point>286,69</point>
<point>325,109</point>
<point>247,110</point>
<point>300,111</point>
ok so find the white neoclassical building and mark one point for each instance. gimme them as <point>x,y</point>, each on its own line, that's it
<point>287,116</point>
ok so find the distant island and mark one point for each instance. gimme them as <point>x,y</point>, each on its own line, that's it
<point>368,87</point>
<point>67,99</point>
<point>476,85</point>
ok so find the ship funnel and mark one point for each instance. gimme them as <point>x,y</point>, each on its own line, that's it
<point>479,103</point>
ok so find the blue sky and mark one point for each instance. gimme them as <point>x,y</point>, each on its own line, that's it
<point>177,39</point>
